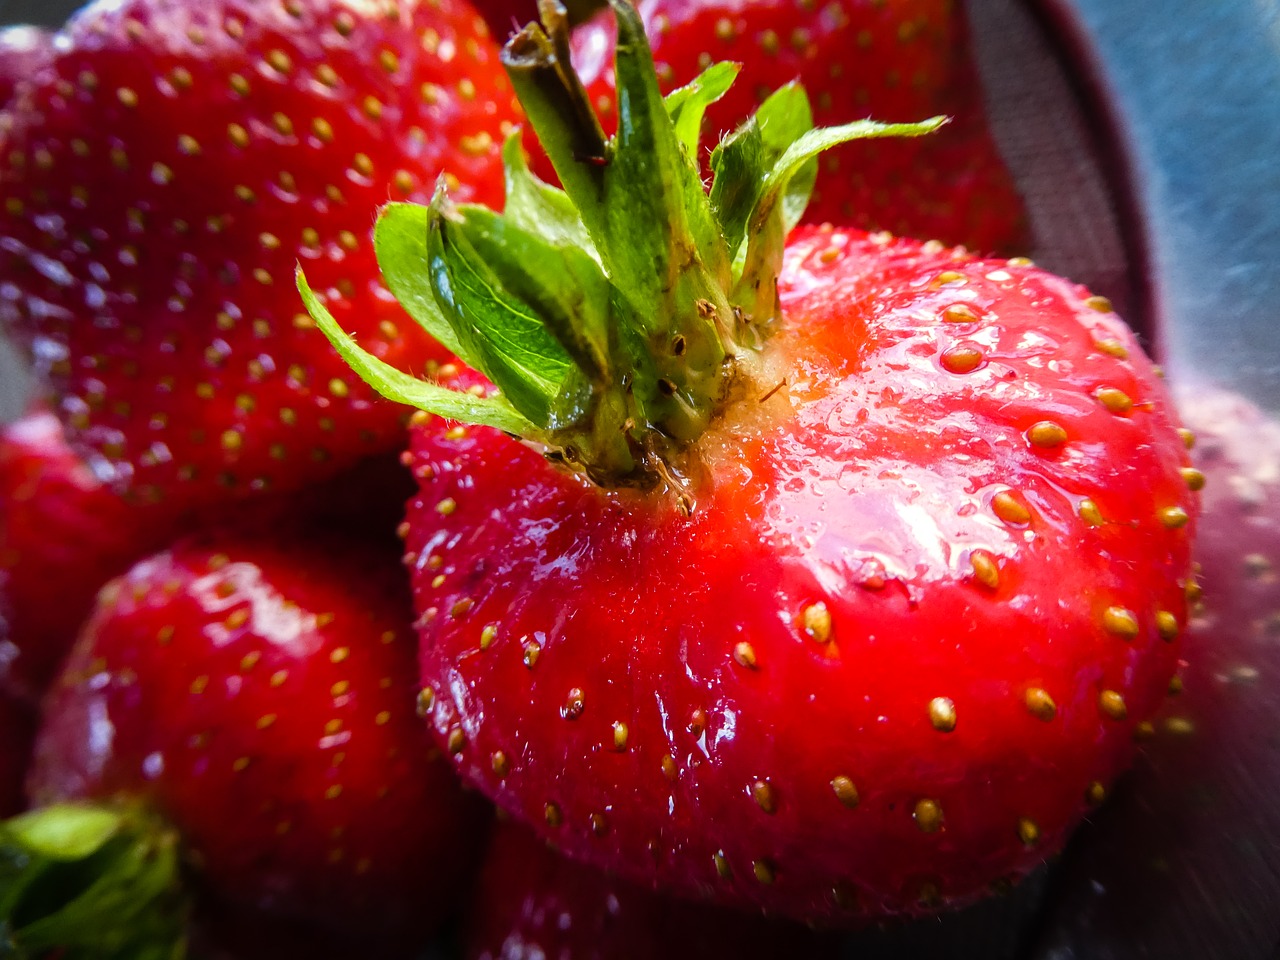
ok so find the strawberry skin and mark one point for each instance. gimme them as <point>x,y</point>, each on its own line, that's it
<point>164,181</point>
<point>894,62</point>
<point>260,695</point>
<point>934,579</point>
<point>1184,856</point>
<point>63,534</point>
<point>531,902</point>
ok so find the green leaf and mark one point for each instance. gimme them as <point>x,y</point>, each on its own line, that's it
<point>756,290</point>
<point>397,385</point>
<point>400,242</point>
<point>65,831</point>
<point>91,883</point>
<point>504,333</point>
<point>539,207</point>
<point>657,216</point>
<point>688,105</point>
<point>743,159</point>
<point>561,286</point>
<point>784,118</point>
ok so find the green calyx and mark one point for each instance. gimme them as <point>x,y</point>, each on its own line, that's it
<point>613,315</point>
<point>81,882</point>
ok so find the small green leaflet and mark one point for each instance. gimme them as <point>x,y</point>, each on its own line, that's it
<point>397,385</point>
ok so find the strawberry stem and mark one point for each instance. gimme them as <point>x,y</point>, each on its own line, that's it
<point>90,882</point>
<point>614,316</point>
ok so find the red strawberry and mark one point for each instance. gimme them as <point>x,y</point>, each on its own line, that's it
<point>259,695</point>
<point>893,62</point>
<point>832,593</point>
<point>1182,863</point>
<point>162,184</point>
<point>531,902</point>
<point>63,534</point>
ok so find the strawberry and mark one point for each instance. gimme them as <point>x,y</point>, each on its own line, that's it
<point>163,181</point>
<point>63,534</point>
<point>857,58</point>
<point>1182,862</point>
<point>290,758</point>
<point>832,578</point>
<point>531,902</point>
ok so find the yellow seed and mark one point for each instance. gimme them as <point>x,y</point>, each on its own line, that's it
<point>1117,401</point>
<point>1009,508</point>
<point>1047,434</point>
<point>985,568</point>
<point>457,740</point>
<point>1101,304</point>
<point>1188,438</point>
<point>845,791</point>
<point>765,796</point>
<point>1028,831</point>
<point>745,655</point>
<point>817,621</point>
<point>928,816</point>
<point>1193,478</point>
<point>722,864</point>
<point>127,97</point>
<point>959,313</point>
<point>1090,513</point>
<point>1040,705</point>
<point>961,358</point>
<point>1173,517</point>
<point>498,761</point>
<point>553,814</point>
<point>1120,622</point>
<point>1095,793</point>
<point>1166,625</point>
<point>764,871</point>
<point>266,720</point>
<point>620,734</point>
<point>942,714</point>
<point>426,701</point>
<point>1112,347</point>
<point>1112,704</point>
<point>279,61</point>
<point>446,506</point>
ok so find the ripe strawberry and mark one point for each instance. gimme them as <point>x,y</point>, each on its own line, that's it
<point>288,756</point>
<point>1181,862</point>
<point>894,62</point>
<point>834,592</point>
<point>531,902</point>
<point>63,534</point>
<point>160,187</point>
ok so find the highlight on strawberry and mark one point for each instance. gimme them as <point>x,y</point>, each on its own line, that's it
<point>824,572</point>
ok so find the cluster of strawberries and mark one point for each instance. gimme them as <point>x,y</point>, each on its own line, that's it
<point>869,638</point>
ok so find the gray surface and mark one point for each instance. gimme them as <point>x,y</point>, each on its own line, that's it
<point>1197,88</point>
